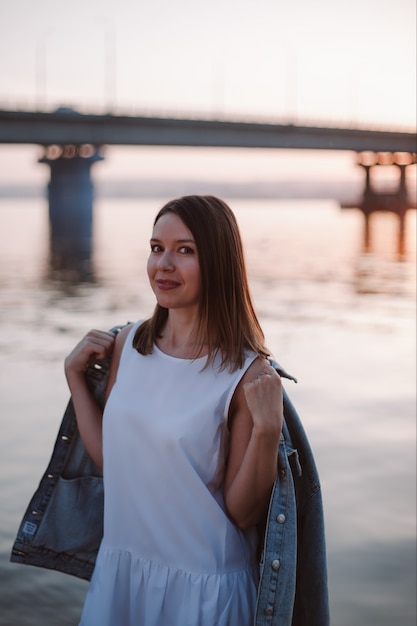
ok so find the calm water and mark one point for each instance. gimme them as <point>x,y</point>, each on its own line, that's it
<point>341,321</point>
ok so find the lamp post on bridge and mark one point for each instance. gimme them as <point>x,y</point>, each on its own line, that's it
<point>110,63</point>
<point>41,69</point>
<point>110,69</point>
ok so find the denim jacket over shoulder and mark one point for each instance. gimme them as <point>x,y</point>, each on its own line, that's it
<point>63,524</point>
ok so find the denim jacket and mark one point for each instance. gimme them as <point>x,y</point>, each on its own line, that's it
<point>63,524</point>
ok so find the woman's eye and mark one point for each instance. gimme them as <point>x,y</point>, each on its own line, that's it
<point>186,250</point>
<point>155,247</point>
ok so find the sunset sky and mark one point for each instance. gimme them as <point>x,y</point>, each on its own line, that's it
<point>328,61</point>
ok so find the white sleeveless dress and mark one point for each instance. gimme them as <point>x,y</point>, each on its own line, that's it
<point>170,556</point>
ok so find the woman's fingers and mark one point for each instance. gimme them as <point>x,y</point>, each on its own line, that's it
<point>100,342</point>
<point>264,399</point>
<point>96,343</point>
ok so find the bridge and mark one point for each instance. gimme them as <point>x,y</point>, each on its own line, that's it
<point>68,127</point>
<point>72,143</point>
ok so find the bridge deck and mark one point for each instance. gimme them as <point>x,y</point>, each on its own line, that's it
<point>24,127</point>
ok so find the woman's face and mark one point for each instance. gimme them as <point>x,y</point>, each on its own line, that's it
<point>173,264</point>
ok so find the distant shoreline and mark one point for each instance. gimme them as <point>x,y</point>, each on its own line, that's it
<point>338,190</point>
<point>301,189</point>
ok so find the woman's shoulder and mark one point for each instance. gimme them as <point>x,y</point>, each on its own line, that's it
<point>119,344</point>
<point>257,365</point>
<point>124,331</point>
<point>121,338</point>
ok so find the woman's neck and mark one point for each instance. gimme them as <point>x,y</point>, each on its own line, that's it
<point>179,338</point>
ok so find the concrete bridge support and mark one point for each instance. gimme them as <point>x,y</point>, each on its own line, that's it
<point>70,195</point>
<point>396,201</point>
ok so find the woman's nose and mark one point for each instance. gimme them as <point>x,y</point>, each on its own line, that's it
<point>165,261</point>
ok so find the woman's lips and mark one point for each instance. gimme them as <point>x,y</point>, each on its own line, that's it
<point>165,285</point>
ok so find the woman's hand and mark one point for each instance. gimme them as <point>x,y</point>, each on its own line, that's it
<point>265,402</point>
<point>96,344</point>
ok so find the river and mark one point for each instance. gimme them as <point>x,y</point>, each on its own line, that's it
<point>339,319</point>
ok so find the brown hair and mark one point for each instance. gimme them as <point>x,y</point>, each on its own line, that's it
<point>227,321</point>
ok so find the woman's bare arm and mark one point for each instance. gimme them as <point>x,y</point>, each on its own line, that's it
<point>256,416</point>
<point>96,344</point>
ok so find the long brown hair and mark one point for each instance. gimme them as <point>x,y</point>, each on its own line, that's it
<point>228,324</point>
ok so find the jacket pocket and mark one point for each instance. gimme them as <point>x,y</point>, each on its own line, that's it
<point>73,520</point>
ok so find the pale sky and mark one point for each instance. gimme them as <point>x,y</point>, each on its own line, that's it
<point>325,61</point>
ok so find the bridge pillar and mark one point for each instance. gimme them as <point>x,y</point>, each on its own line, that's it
<point>70,196</point>
<point>396,201</point>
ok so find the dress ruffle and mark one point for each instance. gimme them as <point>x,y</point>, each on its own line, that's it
<point>137,592</point>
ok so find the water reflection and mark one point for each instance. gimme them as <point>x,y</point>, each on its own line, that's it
<point>70,261</point>
<point>382,265</point>
<point>401,248</point>
<point>374,275</point>
<point>309,272</point>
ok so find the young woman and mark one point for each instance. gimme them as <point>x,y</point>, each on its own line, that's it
<point>188,441</point>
